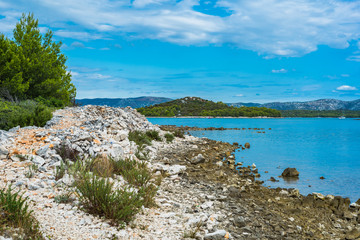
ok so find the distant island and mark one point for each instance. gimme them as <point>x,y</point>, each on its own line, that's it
<point>316,108</point>
<point>195,106</point>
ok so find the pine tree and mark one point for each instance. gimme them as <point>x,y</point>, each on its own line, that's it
<point>34,65</point>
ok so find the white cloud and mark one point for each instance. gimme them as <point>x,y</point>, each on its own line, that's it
<point>345,75</point>
<point>84,36</point>
<point>346,88</point>
<point>239,95</point>
<point>355,58</point>
<point>144,3</point>
<point>269,27</point>
<point>279,71</point>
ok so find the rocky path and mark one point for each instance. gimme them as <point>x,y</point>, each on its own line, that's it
<point>202,196</point>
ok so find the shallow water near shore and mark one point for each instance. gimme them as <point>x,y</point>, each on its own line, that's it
<point>317,147</point>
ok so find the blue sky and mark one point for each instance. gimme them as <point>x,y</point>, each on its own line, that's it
<point>225,50</point>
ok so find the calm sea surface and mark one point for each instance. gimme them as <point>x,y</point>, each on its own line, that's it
<point>314,146</point>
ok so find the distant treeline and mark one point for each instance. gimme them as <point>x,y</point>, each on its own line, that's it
<point>322,113</point>
<point>193,106</point>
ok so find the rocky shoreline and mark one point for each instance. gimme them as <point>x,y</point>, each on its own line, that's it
<point>204,194</point>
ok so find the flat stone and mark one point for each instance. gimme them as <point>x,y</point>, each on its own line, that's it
<point>218,235</point>
<point>37,160</point>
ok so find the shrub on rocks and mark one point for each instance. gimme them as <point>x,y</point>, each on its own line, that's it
<point>153,135</point>
<point>15,213</point>
<point>169,137</point>
<point>98,197</point>
<point>139,138</point>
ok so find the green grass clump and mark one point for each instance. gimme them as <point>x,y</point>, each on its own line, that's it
<point>139,138</point>
<point>98,197</point>
<point>153,135</point>
<point>15,213</point>
<point>144,138</point>
<point>179,133</point>
<point>169,137</point>
<point>63,198</point>
<point>24,113</point>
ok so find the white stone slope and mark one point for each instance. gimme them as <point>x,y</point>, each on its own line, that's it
<point>92,131</point>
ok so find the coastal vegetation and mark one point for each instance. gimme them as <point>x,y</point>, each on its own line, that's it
<point>97,193</point>
<point>33,76</point>
<point>194,106</point>
<point>15,214</point>
<point>320,113</point>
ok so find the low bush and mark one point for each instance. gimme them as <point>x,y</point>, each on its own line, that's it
<point>15,213</point>
<point>139,138</point>
<point>153,135</point>
<point>24,113</point>
<point>179,133</point>
<point>169,137</point>
<point>144,138</point>
<point>98,197</point>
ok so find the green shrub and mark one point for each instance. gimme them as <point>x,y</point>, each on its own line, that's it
<point>139,138</point>
<point>139,175</point>
<point>60,171</point>
<point>169,137</point>
<point>24,113</point>
<point>15,213</point>
<point>98,197</point>
<point>179,133</point>
<point>63,198</point>
<point>144,138</point>
<point>153,135</point>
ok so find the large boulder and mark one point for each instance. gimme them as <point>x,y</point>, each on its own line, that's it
<point>290,172</point>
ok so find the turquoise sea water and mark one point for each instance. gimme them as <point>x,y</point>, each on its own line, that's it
<point>315,146</point>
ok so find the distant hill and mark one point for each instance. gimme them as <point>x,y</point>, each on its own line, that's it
<point>319,105</point>
<point>124,102</point>
<point>195,106</point>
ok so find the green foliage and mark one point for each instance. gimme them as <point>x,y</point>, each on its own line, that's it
<point>15,213</point>
<point>169,137</point>
<point>139,175</point>
<point>63,198</point>
<point>322,113</point>
<point>144,138</point>
<point>179,133</point>
<point>153,135</point>
<point>98,197</point>
<point>33,66</point>
<point>24,113</point>
<point>32,169</point>
<point>139,138</point>
<point>194,106</point>
<point>60,171</point>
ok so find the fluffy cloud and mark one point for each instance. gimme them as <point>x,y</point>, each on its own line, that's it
<point>269,27</point>
<point>346,88</point>
<point>279,71</point>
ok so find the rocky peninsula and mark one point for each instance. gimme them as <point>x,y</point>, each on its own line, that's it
<point>204,193</point>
